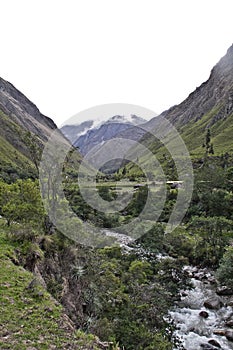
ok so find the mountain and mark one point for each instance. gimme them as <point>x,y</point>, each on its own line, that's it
<point>21,124</point>
<point>91,133</point>
<point>32,316</point>
<point>210,106</point>
<point>23,112</point>
<point>72,132</point>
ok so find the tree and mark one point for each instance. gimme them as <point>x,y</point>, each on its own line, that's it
<point>211,150</point>
<point>213,233</point>
<point>21,202</point>
<point>153,239</point>
<point>207,144</point>
<point>33,144</point>
<point>207,139</point>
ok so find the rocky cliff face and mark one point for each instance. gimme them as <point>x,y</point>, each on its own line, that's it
<point>23,112</point>
<point>216,91</point>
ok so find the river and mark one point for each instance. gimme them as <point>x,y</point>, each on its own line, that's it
<point>196,325</point>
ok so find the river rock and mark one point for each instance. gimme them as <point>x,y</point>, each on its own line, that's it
<point>213,304</point>
<point>221,332</point>
<point>200,275</point>
<point>204,314</point>
<point>214,343</point>
<point>229,323</point>
<point>229,335</point>
<point>212,280</point>
<point>223,290</point>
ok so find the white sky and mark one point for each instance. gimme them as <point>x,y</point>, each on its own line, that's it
<point>67,56</point>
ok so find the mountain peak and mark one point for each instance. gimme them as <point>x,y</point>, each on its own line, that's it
<point>225,66</point>
<point>99,131</point>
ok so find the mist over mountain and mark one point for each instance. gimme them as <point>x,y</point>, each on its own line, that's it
<point>92,133</point>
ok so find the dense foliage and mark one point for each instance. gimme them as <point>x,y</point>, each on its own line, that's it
<point>122,297</point>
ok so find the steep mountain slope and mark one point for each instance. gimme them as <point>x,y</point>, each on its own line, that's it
<point>20,123</point>
<point>23,112</point>
<point>90,135</point>
<point>209,106</point>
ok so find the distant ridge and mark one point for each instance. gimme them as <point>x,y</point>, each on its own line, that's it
<point>93,133</point>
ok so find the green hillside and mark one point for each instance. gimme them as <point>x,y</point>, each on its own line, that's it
<point>208,109</point>
<point>193,135</point>
<point>29,317</point>
<point>14,156</point>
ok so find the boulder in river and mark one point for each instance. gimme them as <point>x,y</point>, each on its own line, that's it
<point>219,332</point>
<point>214,343</point>
<point>229,335</point>
<point>229,323</point>
<point>223,290</point>
<point>213,304</point>
<point>230,302</point>
<point>204,314</point>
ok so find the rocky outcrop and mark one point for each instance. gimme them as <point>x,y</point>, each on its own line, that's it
<point>23,112</point>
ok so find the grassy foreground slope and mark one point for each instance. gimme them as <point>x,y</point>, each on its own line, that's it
<point>30,318</point>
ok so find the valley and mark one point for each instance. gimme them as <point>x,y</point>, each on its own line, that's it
<point>78,277</point>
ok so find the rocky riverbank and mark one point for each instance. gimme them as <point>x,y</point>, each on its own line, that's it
<point>204,316</point>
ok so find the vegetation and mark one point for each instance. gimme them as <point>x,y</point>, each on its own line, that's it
<point>15,159</point>
<point>56,293</point>
<point>29,316</point>
<point>121,298</point>
<point>225,270</point>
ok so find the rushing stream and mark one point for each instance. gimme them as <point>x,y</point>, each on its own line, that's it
<point>199,326</point>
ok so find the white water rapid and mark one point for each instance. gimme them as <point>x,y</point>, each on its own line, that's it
<point>199,327</point>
